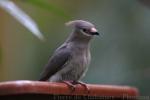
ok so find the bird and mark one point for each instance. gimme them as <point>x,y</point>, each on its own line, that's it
<point>70,62</point>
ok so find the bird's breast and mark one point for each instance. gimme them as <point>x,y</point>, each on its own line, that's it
<point>82,57</point>
<point>80,63</point>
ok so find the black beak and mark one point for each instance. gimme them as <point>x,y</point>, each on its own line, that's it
<point>95,33</point>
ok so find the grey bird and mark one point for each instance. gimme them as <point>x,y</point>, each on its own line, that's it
<point>70,61</point>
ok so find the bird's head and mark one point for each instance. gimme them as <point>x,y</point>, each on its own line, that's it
<point>83,28</point>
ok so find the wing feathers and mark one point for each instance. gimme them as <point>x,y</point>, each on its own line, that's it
<point>56,62</point>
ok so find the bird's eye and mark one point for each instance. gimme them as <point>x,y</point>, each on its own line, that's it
<point>85,30</point>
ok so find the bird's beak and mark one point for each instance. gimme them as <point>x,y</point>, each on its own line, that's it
<point>94,31</point>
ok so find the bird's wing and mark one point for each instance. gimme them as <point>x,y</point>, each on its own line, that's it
<point>55,63</point>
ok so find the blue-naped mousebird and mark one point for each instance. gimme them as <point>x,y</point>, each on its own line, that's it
<point>70,61</point>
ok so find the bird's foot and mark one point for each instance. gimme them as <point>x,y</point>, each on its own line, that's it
<point>70,85</point>
<point>83,84</point>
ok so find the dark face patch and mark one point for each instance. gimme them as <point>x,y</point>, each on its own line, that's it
<point>89,32</point>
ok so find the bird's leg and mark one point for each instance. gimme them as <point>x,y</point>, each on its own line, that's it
<point>70,85</point>
<point>83,84</point>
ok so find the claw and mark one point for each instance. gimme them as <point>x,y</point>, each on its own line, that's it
<point>83,84</point>
<point>70,85</point>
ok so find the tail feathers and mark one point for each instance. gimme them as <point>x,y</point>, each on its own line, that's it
<point>43,79</point>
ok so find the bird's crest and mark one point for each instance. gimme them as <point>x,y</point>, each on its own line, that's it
<point>74,22</point>
<point>70,23</point>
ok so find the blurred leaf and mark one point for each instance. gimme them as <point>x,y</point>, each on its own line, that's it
<point>21,16</point>
<point>50,7</point>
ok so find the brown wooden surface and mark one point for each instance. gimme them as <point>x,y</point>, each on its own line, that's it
<point>36,87</point>
<point>35,90</point>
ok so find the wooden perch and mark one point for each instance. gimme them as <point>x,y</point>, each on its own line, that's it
<point>16,90</point>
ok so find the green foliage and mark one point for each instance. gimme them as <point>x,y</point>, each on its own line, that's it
<point>50,7</point>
